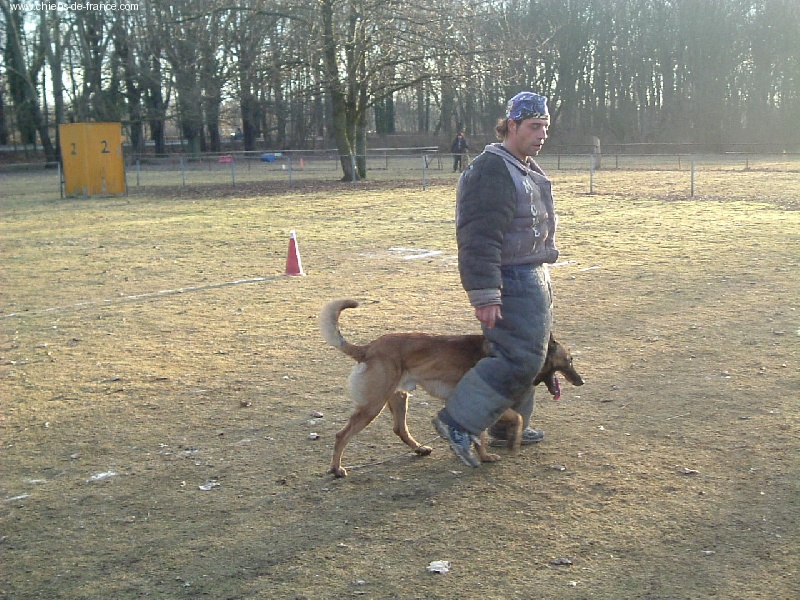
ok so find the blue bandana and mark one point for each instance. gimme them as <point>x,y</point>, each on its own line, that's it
<point>527,105</point>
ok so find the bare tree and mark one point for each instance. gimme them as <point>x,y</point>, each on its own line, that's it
<point>124,34</point>
<point>183,24</point>
<point>364,46</point>
<point>23,73</point>
<point>245,38</point>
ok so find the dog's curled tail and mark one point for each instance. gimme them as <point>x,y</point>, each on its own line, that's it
<point>329,326</point>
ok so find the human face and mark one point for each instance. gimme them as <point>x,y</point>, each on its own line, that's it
<point>527,137</point>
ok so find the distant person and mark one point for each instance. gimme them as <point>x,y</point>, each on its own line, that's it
<point>459,149</point>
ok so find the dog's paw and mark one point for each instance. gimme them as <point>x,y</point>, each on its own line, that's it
<point>423,450</point>
<point>338,471</point>
<point>486,456</point>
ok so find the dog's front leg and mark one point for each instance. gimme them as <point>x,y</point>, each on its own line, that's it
<point>481,449</point>
<point>513,422</point>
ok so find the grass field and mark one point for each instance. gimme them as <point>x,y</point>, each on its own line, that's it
<point>161,379</point>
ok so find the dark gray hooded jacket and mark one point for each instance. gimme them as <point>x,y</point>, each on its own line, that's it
<point>504,216</point>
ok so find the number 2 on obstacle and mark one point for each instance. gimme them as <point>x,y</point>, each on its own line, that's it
<point>105,149</point>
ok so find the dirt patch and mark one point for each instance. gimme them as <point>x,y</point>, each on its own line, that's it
<point>161,379</point>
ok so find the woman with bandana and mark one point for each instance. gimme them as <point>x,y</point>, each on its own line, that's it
<point>505,229</point>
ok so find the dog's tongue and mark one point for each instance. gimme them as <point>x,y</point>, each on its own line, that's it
<point>556,388</point>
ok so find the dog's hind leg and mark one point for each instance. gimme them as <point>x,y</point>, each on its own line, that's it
<point>398,405</point>
<point>363,416</point>
<point>371,387</point>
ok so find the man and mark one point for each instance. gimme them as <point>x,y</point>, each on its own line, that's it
<point>505,228</point>
<point>459,149</point>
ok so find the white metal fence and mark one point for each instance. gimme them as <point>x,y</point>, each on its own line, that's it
<point>422,166</point>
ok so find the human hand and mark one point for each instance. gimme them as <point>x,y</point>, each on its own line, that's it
<point>488,315</point>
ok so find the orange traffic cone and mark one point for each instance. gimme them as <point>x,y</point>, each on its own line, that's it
<point>294,266</point>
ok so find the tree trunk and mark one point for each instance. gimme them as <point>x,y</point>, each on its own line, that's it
<point>3,126</point>
<point>339,113</point>
<point>156,107</point>
<point>133,90</point>
<point>52,44</point>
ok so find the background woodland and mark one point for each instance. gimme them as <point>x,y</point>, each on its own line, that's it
<point>299,74</point>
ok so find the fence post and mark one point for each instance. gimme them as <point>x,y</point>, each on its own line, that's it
<point>424,172</point>
<point>596,152</point>
<point>233,171</point>
<point>290,169</point>
<point>353,167</point>
<point>591,174</point>
<point>692,177</point>
<point>183,169</point>
<point>138,171</point>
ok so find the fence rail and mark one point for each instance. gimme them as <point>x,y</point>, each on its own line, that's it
<point>424,165</point>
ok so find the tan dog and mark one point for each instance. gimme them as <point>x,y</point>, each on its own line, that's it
<point>394,364</point>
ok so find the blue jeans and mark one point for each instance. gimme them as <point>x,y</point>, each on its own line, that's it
<point>518,345</point>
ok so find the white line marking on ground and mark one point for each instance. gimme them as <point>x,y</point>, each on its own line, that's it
<point>144,296</point>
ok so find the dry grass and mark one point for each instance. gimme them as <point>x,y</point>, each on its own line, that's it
<point>126,348</point>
